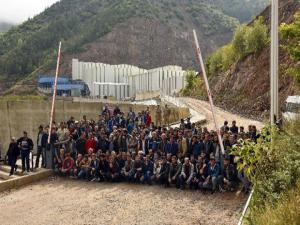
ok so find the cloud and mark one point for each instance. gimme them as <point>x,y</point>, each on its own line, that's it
<point>17,11</point>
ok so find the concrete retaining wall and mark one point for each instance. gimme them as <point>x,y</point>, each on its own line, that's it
<point>24,180</point>
<point>17,116</point>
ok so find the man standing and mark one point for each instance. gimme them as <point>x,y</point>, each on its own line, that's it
<point>167,114</point>
<point>234,129</point>
<point>41,145</point>
<point>26,145</point>
<point>13,154</point>
<point>158,116</point>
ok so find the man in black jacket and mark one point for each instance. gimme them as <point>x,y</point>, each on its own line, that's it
<point>26,145</point>
<point>41,145</point>
<point>228,176</point>
<point>80,144</point>
<point>13,154</point>
<point>164,172</point>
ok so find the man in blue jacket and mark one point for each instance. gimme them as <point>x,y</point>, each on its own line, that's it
<point>172,146</point>
<point>195,148</point>
<point>211,181</point>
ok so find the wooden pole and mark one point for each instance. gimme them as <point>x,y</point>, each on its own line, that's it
<point>199,55</point>
<point>54,91</point>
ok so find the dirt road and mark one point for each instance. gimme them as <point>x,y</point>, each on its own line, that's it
<point>203,108</point>
<point>61,202</point>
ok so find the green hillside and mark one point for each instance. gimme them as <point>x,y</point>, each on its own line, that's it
<point>31,47</point>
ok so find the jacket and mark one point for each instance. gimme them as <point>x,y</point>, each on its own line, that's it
<point>13,151</point>
<point>172,148</point>
<point>191,172</point>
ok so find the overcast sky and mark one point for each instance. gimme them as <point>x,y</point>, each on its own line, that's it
<point>18,11</point>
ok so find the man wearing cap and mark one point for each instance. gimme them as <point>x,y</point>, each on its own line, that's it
<point>26,145</point>
<point>13,154</point>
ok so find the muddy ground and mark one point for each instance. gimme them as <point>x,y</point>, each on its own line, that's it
<point>58,201</point>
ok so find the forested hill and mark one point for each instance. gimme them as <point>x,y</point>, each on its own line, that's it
<point>145,33</point>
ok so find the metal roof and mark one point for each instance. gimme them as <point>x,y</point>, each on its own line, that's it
<point>60,80</point>
<point>68,87</point>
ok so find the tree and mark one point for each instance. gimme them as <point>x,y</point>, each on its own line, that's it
<point>239,41</point>
<point>257,36</point>
<point>290,35</point>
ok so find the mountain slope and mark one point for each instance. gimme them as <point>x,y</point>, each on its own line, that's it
<point>148,33</point>
<point>244,88</point>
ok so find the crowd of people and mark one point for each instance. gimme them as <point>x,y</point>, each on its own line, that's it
<point>131,147</point>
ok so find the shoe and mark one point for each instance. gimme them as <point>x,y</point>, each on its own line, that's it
<point>93,179</point>
<point>10,174</point>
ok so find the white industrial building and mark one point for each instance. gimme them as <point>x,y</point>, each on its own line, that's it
<point>126,81</point>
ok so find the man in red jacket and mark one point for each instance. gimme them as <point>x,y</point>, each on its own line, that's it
<point>149,119</point>
<point>68,165</point>
<point>90,144</point>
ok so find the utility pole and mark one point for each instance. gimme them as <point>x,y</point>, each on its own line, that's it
<point>54,92</point>
<point>212,107</point>
<point>274,111</point>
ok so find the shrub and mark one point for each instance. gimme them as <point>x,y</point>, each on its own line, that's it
<point>246,40</point>
<point>195,85</point>
<point>256,37</point>
<point>239,41</point>
<point>221,60</point>
<point>272,166</point>
<point>290,35</point>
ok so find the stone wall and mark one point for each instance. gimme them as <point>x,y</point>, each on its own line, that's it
<point>17,116</point>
